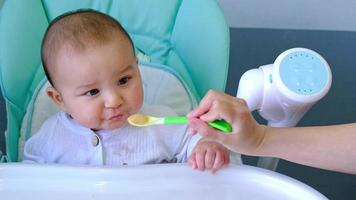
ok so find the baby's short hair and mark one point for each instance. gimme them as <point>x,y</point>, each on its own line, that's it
<point>78,30</point>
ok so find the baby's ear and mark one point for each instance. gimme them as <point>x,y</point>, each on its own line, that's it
<point>56,97</point>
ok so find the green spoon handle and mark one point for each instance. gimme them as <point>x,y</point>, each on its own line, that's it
<point>220,124</point>
<point>175,120</point>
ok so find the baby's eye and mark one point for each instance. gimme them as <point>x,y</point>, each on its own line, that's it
<point>92,92</point>
<point>124,80</point>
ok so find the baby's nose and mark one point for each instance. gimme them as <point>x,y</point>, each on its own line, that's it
<point>113,100</point>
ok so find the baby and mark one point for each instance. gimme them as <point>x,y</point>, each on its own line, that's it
<point>90,62</point>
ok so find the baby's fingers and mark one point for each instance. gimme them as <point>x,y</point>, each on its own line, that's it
<point>209,159</point>
<point>219,162</point>
<point>226,157</point>
<point>192,161</point>
<point>200,160</point>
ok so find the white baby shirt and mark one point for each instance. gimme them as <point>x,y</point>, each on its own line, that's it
<point>62,140</point>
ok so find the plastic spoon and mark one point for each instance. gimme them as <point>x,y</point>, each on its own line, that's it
<point>146,120</point>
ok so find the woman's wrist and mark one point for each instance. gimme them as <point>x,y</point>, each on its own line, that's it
<point>260,140</point>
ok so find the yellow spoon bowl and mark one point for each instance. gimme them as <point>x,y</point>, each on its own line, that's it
<point>144,120</point>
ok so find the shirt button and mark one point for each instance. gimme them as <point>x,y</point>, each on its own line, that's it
<point>95,140</point>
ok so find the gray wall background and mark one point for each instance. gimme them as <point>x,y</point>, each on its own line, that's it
<point>281,14</point>
<point>260,31</point>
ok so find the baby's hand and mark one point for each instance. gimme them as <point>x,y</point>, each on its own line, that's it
<point>209,155</point>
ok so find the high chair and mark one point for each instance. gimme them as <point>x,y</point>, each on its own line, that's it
<point>183,49</point>
<point>182,46</point>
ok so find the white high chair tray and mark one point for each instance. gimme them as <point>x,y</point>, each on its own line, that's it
<point>165,181</point>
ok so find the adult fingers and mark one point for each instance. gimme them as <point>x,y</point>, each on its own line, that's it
<point>217,110</point>
<point>191,131</point>
<point>235,114</point>
<point>206,131</point>
<point>206,102</point>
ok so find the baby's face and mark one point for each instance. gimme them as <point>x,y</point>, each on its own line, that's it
<point>99,87</point>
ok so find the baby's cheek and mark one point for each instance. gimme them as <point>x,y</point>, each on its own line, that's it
<point>91,116</point>
<point>137,102</point>
<point>136,108</point>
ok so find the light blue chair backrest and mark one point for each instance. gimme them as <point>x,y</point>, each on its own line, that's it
<point>190,37</point>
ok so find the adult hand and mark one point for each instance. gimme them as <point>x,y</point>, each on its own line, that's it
<point>303,145</point>
<point>247,134</point>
